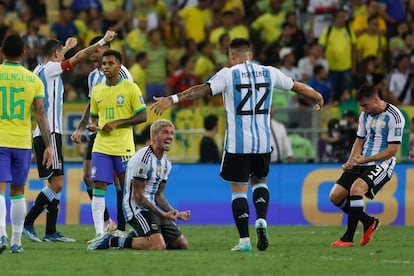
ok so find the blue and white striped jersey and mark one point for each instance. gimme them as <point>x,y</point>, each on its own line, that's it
<point>96,76</point>
<point>380,130</point>
<point>247,94</point>
<point>50,74</point>
<point>145,165</point>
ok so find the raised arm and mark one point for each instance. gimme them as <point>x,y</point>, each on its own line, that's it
<point>85,53</point>
<point>188,95</point>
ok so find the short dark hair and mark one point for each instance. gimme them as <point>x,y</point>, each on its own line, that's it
<point>13,46</point>
<point>317,69</point>
<point>210,121</point>
<point>51,46</point>
<point>114,53</point>
<point>183,60</point>
<point>96,39</point>
<point>241,44</point>
<point>140,56</point>
<point>366,91</point>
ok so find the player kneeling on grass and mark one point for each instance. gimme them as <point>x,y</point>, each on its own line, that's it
<point>147,210</point>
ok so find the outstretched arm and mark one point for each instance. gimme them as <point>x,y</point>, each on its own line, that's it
<point>85,53</point>
<point>189,95</point>
<point>307,91</point>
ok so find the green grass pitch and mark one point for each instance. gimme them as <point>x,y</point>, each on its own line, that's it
<point>293,250</point>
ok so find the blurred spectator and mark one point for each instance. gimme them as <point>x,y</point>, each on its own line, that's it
<point>411,145</point>
<point>332,146</point>
<point>204,66</point>
<point>314,57</point>
<point>400,87</point>
<point>137,39</point>
<point>339,42</point>
<point>303,150</point>
<point>34,41</point>
<point>156,72</point>
<point>137,71</point>
<point>321,83</point>
<point>220,54</point>
<point>269,25</point>
<point>358,8</point>
<point>209,151</point>
<point>64,28</point>
<point>372,43</point>
<point>281,148</point>
<point>285,40</point>
<point>183,78</point>
<point>321,16</point>
<point>396,42</point>
<point>225,27</point>
<point>392,11</point>
<point>408,39</point>
<point>80,21</point>
<point>113,15</point>
<point>78,5</point>
<point>196,21</point>
<point>239,28</point>
<point>298,35</point>
<point>365,73</point>
<point>360,23</point>
<point>38,10</point>
<point>94,29</point>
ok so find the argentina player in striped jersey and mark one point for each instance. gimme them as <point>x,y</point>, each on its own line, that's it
<point>95,77</point>
<point>146,207</point>
<point>50,73</point>
<point>370,164</point>
<point>246,88</point>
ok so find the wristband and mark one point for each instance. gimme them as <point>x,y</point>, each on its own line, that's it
<point>101,42</point>
<point>174,98</point>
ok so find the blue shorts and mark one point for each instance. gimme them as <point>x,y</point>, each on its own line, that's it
<point>103,167</point>
<point>15,165</point>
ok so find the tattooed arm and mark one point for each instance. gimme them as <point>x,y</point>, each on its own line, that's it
<point>191,94</point>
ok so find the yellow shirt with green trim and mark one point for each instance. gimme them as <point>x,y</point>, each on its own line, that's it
<point>373,45</point>
<point>110,103</point>
<point>269,25</point>
<point>19,88</point>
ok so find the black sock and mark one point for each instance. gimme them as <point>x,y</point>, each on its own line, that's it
<point>240,209</point>
<point>356,208</point>
<point>106,214</point>
<point>114,242</point>
<point>261,202</point>
<point>344,205</point>
<point>40,203</point>
<point>51,216</point>
<point>120,213</point>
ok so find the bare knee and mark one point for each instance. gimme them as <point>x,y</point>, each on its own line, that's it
<point>180,243</point>
<point>338,194</point>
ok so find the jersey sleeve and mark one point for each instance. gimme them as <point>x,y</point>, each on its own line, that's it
<point>138,103</point>
<point>39,89</point>
<point>125,74</point>
<point>361,132</point>
<point>281,81</point>
<point>94,106</point>
<point>53,69</point>
<point>396,127</point>
<point>218,81</point>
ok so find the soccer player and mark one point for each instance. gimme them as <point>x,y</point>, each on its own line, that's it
<point>247,92</point>
<point>116,106</point>
<point>370,164</point>
<point>146,207</point>
<point>50,73</point>
<point>21,90</point>
<point>95,77</point>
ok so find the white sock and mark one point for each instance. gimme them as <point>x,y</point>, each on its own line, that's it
<point>98,209</point>
<point>17,215</point>
<point>244,240</point>
<point>3,213</point>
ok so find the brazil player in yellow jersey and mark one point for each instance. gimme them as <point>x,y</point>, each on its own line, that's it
<point>116,106</point>
<point>20,89</point>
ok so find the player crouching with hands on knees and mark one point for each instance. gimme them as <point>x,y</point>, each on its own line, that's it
<point>146,208</point>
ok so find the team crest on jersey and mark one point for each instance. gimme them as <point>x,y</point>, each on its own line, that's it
<point>398,131</point>
<point>120,100</point>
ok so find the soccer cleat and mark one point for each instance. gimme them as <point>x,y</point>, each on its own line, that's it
<point>368,233</point>
<point>109,225</point>
<point>100,242</point>
<point>242,247</point>
<point>3,243</point>
<point>16,249</point>
<point>341,243</point>
<point>262,234</point>
<point>56,237</point>
<point>119,233</point>
<point>132,234</point>
<point>30,233</point>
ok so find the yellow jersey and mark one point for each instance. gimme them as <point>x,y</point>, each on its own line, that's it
<point>110,103</point>
<point>19,88</point>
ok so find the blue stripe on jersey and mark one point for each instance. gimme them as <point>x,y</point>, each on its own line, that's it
<point>370,142</point>
<point>59,100</point>
<point>268,103</point>
<point>42,77</point>
<point>238,122</point>
<point>384,134</point>
<point>253,102</point>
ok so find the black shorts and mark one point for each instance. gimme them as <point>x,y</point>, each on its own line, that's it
<point>147,223</point>
<point>238,168</point>
<point>374,176</point>
<point>88,150</point>
<point>57,165</point>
